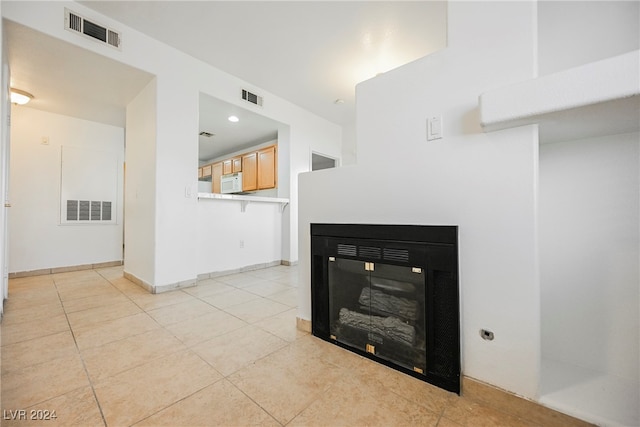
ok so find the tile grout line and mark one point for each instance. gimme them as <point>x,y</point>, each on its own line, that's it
<point>84,365</point>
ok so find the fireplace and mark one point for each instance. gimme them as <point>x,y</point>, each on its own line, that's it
<point>390,293</point>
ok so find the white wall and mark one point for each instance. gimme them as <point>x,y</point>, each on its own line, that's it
<point>573,33</point>
<point>484,183</point>
<point>5,111</point>
<point>170,256</point>
<point>38,241</point>
<point>230,239</point>
<point>140,191</point>
<point>349,144</point>
<point>589,245</point>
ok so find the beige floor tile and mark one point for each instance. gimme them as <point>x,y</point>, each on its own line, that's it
<point>32,298</point>
<point>37,383</point>
<point>286,382</point>
<point>118,356</point>
<point>86,303</point>
<point>97,315</point>
<point>28,330</point>
<point>258,309</point>
<point>75,276</point>
<point>194,331</point>
<point>376,376</point>
<point>229,299</point>
<point>220,404</point>
<point>350,402</point>
<point>472,414</point>
<point>330,353</point>
<point>113,330</point>
<point>237,349</point>
<point>13,315</point>
<point>76,408</point>
<point>38,350</point>
<point>155,385</point>
<point>30,288</point>
<point>282,325</point>
<point>149,301</point>
<point>127,287</point>
<point>182,311</point>
<point>446,422</point>
<point>111,272</point>
<point>487,395</point>
<point>273,272</point>
<point>239,280</point>
<point>288,297</point>
<point>30,281</point>
<point>78,284</point>
<point>266,288</point>
<point>209,287</point>
<point>104,290</point>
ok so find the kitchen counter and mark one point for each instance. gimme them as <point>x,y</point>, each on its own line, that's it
<point>244,199</point>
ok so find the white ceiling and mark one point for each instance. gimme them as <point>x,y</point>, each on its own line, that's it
<point>308,52</point>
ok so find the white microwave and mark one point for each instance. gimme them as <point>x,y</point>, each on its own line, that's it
<point>231,183</point>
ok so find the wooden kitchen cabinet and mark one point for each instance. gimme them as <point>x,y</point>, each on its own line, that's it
<point>259,170</point>
<point>267,168</point>
<point>236,164</point>
<point>250,171</point>
<point>227,166</point>
<point>216,174</point>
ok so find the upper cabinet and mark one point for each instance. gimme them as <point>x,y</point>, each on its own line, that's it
<point>267,168</point>
<point>250,171</point>
<point>216,174</point>
<point>236,164</point>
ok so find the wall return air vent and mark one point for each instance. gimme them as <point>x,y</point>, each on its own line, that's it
<point>78,24</point>
<point>251,97</point>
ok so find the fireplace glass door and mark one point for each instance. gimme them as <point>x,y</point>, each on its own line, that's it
<point>380,309</point>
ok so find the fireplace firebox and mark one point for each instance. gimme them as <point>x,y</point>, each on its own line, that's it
<point>390,293</point>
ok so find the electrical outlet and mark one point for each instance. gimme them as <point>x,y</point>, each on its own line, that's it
<point>486,335</point>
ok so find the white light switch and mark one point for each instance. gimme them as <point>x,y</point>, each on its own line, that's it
<point>434,128</point>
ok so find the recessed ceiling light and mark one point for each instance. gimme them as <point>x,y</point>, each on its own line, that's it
<point>234,119</point>
<point>20,97</point>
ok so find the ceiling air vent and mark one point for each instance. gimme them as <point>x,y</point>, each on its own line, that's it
<point>206,134</point>
<point>78,24</point>
<point>251,97</point>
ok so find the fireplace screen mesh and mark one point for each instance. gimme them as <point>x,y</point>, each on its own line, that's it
<point>379,308</point>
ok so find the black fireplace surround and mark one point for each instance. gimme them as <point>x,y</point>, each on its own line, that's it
<point>390,293</point>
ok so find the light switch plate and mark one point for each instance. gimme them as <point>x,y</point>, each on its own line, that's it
<point>434,128</point>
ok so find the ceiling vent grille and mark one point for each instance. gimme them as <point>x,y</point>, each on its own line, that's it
<point>206,134</point>
<point>78,24</point>
<point>251,97</point>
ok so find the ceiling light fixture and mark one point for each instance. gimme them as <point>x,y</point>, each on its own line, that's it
<point>234,119</point>
<point>20,97</point>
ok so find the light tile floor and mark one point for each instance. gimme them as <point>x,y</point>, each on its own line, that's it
<point>101,351</point>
